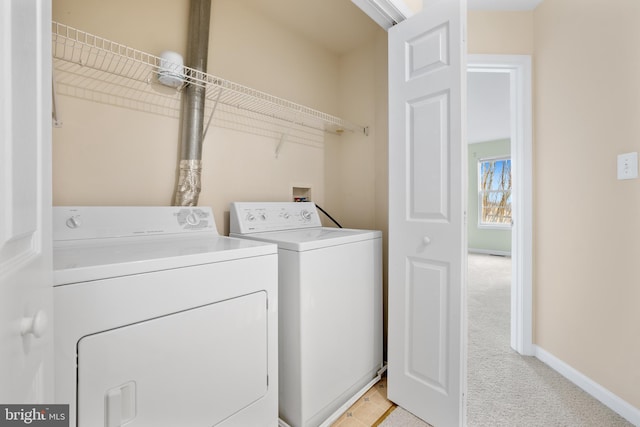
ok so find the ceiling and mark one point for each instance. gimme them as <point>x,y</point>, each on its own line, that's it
<point>502,4</point>
<point>340,26</point>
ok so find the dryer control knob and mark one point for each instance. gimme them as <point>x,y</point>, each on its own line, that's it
<point>251,217</point>
<point>306,215</point>
<point>74,221</point>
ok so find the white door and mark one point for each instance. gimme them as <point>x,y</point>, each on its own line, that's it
<point>427,209</point>
<point>26,295</point>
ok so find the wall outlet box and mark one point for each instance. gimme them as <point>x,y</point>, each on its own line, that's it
<point>628,166</point>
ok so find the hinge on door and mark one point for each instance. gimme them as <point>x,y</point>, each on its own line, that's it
<point>267,380</point>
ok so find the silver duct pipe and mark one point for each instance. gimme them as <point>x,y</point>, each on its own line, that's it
<point>192,123</point>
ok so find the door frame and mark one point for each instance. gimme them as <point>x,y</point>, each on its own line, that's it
<point>519,69</point>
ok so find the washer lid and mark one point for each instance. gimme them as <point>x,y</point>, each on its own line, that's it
<point>95,259</point>
<point>313,238</point>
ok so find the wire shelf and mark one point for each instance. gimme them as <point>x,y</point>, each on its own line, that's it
<point>95,68</point>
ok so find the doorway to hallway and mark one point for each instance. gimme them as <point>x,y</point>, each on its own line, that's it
<point>499,299</point>
<point>514,73</point>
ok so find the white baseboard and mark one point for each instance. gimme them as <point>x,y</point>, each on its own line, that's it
<point>489,252</point>
<point>615,403</point>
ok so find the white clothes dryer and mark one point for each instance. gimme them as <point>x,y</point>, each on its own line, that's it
<point>161,322</point>
<point>330,313</point>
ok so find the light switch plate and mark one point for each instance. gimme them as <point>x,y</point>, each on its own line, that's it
<point>628,165</point>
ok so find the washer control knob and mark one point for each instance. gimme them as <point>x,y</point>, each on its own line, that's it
<point>251,217</point>
<point>74,221</point>
<point>263,216</point>
<point>286,215</point>
<point>192,219</point>
<point>306,215</point>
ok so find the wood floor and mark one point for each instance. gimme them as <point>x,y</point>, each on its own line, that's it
<point>370,410</point>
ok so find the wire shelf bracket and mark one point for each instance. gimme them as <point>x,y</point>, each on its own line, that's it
<point>283,139</point>
<point>213,111</point>
<point>55,109</point>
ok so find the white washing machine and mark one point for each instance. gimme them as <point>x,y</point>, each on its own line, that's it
<point>161,322</point>
<point>330,313</point>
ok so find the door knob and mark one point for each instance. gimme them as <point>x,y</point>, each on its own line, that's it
<point>35,325</point>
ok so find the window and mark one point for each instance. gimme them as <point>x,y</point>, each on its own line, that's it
<point>494,196</point>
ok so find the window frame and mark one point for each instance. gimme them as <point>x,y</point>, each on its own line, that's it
<point>486,225</point>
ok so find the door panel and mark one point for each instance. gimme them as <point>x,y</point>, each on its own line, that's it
<point>427,240</point>
<point>428,52</point>
<point>429,198</point>
<point>427,358</point>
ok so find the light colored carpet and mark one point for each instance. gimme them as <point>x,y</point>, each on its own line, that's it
<point>401,418</point>
<point>504,388</point>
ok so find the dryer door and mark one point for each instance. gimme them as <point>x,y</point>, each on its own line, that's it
<point>192,368</point>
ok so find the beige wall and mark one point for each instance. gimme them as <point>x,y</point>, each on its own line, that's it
<point>504,33</point>
<point>353,183</point>
<point>151,26</point>
<point>106,155</point>
<point>586,104</point>
<point>587,223</point>
<point>357,165</point>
